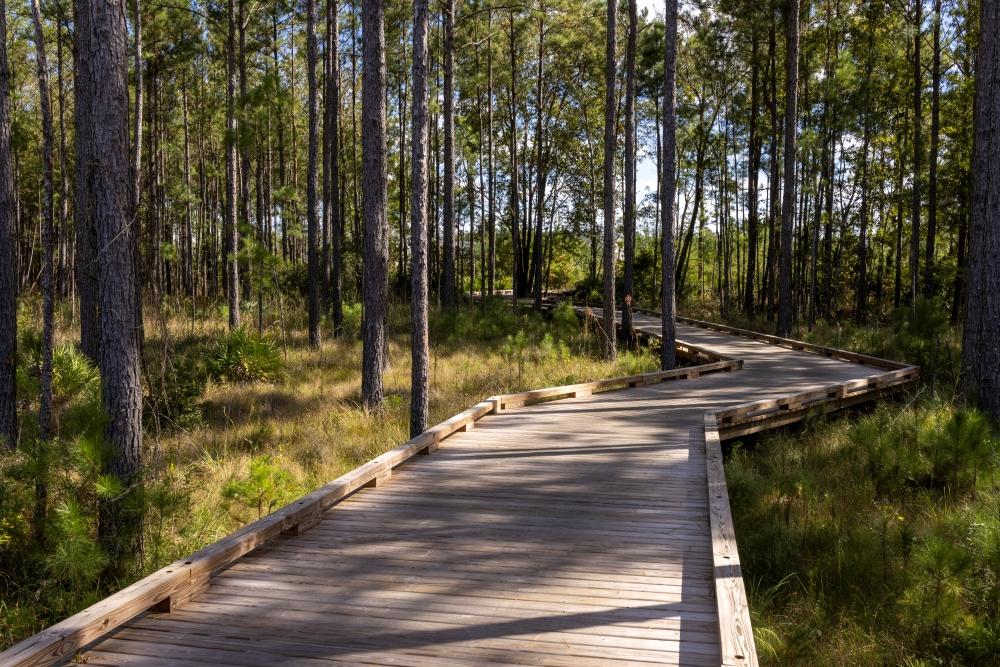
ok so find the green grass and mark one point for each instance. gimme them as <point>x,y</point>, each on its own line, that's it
<point>874,538</point>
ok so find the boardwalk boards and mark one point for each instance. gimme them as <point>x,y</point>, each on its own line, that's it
<point>576,525</point>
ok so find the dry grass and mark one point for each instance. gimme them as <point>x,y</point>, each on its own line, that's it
<point>312,427</point>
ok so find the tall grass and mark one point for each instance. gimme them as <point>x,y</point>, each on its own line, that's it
<point>873,541</point>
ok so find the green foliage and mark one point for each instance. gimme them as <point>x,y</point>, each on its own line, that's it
<point>931,449</point>
<point>589,290</point>
<point>242,357</point>
<point>521,349</point>
<point>889,528</point>
<point>73,374</point>
<point>265,487</point>
<point>174,400</point>
<point>919,334</point>
<point>75,557</point>
<point>352,320</point>
<point>493,320</point>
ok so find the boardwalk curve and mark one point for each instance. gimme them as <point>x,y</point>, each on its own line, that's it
<point>592,530</point>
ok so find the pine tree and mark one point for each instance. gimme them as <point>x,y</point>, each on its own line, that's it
<point>610,149</point>
<point>8,258</point>
<point>374,201</point>
<point>980,349</point>
<point>668,359</point>
<point>420,353</point>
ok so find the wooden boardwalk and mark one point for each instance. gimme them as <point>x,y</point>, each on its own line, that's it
<point>573,532</point>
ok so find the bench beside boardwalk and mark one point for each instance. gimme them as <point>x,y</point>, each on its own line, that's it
<point>593,530</point>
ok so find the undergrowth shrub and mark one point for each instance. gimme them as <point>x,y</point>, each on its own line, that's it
<point>922,335</point>
<point>243,357</point>
<point>265,486</point>
<point>175,392</point>
<point>492,320</point>
<point>352,320</point>
<point>874,542</point>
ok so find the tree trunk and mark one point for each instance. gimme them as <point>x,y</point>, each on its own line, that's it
<point>312,174</point>
<point>610,146</point>
<point>753,168</point>
<point>139,73</point>
<point>980,349</point>
<point>448,283</point>
<point>785,305</point>
<point>513,195</point>
<point>492,222</point>
<point>8,257</point>
<point>918,149</point>
<point>767,296</point>
<point>668,359</point>
<point>419,371</point>
<point>334,217</point>
<point>861,292</point>
<point>929,286</point>
<point>628,331</point>
<point>83,208</point>
<point>536,260</point>
<point>232,228</point>
<point>374,201</point>
<point>48,283</point>
<point>958,286</point>
<point>64,286</point>
<point>104,48</point>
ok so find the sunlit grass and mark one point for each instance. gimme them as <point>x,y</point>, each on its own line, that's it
<point>872,540</point>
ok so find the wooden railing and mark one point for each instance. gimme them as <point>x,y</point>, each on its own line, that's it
<point>736,642</point>
<point>802,346</point>
<point>757,416</point>
<point>735,632</point>
<point>182,580</point>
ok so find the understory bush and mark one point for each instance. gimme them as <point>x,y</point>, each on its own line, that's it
<point>876,542</point>
<point>241,357</point>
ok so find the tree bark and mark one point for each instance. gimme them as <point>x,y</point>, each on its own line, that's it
<point>536,259</point>
<point>334,217</point>
<point>610,146</point>
<point>980,345</point>
<point>918,149</point>
<point>668,359</point>
<point>932,192</point>
<point>492,252</point>
<point>8,257</point>
<point>449,297</point>
<point>48,282</point>
<point>312,176</point>
<point>419,371</point>
<point>753,168</point>
<point>232,228</point>
<point>628,331</point>
<point>374,202</point>
<point>83,208</point>
<point>785,305</point>
<point>139,73</point>
<point>104,47</point>
<point>513,195</point>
